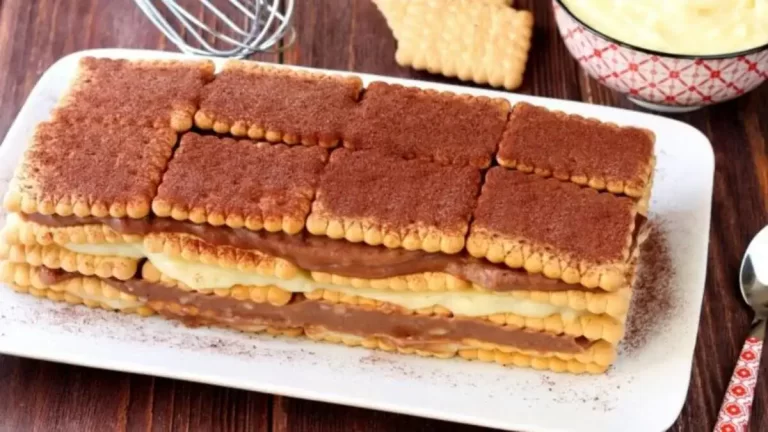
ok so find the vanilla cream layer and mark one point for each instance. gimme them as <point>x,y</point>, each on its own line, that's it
<point>206,276</point>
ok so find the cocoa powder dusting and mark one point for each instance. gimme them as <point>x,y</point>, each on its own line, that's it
<point>565,217</point>
<point>424,124</point>
<point>94,162</point>
<point>652,303</point>
<point>572,144</point>
<point>308,105</point>
<point>145,92</point>
<point>401,193</point>
<point>242,177</point>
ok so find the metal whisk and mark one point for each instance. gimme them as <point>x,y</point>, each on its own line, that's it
<point>262,24</point>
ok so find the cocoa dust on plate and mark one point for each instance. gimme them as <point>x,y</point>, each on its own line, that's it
<point>653,294</point>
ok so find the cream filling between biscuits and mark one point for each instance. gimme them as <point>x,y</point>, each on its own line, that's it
<point>206,276</point>
<point>123,250</point>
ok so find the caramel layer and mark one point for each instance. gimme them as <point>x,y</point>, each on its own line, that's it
<point>322,254</point>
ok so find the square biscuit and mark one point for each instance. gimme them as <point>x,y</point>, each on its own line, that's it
<point>278,105</point>
<point>90,169</point>
<point>159,93</point>
<point>240,183</point>
<point>444,127</point>
<point>472,41</point>
<point>379,199</point>
<point>555,228</point>
<point>20,230</point>
<point>585,151</point>
<point>394,10</point>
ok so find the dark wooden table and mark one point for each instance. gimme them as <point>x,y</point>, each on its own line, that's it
<point>352,35</point>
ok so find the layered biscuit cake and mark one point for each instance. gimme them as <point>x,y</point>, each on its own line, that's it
<point>383,216</point>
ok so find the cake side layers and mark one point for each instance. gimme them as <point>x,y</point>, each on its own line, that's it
<point>407,333</point>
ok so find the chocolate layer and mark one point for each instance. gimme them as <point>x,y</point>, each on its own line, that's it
<point>322,254</point>
<point>404,329</point>
<point>50,276</point>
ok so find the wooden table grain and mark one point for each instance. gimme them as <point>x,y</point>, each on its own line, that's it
<point>352,35</point>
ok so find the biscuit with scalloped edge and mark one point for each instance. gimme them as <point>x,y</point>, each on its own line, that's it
<point>277,104</point>
<point>256,293</point>
<point>582,150</point>
<point>88,290</point>
<point>369,197</point>
<point>307,309</point>
<point>555,228</point>
<point>56,257</point>
<point>427,282</point>
<point>192,249</point>
<point>614,304</point>
<point>241,184</point>
<point>153,93</point>
<point>588,325</point>
<point>598,302</point>
<point>556,363</point>
<point>90,169</point>
<point>394,10</point>
<point>416,123</point>
<point>18,231</point>
<point>472,41</point>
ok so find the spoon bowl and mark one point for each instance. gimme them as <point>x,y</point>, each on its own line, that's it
<point>754,274</point>
<point>753,281</point>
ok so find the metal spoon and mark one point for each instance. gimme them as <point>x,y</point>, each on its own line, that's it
<point>737,404</point>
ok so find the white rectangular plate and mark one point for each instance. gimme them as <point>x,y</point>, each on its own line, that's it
<point>644,391</point>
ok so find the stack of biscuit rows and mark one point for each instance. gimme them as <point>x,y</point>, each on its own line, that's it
<point>300,203</point>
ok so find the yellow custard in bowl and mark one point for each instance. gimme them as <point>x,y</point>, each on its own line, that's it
<point>684,27</point>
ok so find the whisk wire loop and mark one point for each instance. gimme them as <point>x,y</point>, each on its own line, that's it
<point>265,24</point>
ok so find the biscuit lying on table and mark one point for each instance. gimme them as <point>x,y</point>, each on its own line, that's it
<point>482,41</point>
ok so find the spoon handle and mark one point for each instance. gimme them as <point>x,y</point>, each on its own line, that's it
<point>737,404</point>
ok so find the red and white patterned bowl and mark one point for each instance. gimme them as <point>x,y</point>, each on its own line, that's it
<point>663,82</point>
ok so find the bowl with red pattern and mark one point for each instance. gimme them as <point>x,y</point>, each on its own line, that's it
<point>660,81</point>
